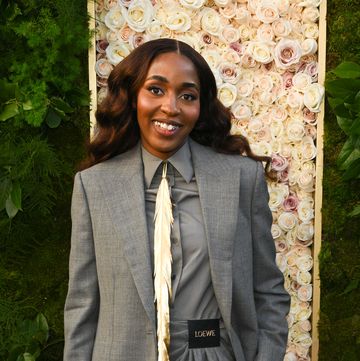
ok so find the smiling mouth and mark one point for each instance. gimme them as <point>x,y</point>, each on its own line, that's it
<point>166,126</point>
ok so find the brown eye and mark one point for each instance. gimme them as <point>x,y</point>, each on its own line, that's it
<point>155,90</point>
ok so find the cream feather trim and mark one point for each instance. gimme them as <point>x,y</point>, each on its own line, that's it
<point>162,264</point>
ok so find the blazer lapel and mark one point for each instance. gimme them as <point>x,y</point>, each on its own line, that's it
<point>219,186</point>
<point>124,190</point>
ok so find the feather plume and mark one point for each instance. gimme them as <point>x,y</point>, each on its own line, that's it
<point>163,219</point>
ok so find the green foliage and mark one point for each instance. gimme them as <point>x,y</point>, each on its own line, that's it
<point>339,326</point>
<point>43,122</point>
<point>344,99</point>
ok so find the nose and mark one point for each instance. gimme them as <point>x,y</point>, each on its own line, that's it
<point>170,105</point>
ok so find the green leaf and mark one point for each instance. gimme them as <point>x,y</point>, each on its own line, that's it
<point>355,212</point>
<point>42,323</point>
<point>28,357</point>
<point>52,119</point>
<point>10,110</point>
<point>345,124</point>
<point>347,69</point>
<point>334,102</point>
<point>27,105</point>
<point>7,91</point>
<point>5,189</point>
<point>342,111</point>
<point>342,88</point>
<point>353,171</point>
<point>60,104</point>
<point>353,285</point>
<point>355,128</point>
<point>16,195</point>
<point>353,156</point>
<point>11,209</point>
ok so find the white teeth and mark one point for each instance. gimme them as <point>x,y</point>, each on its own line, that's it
<point>166,126</point>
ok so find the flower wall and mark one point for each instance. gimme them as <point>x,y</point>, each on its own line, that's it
<point>263,54</point>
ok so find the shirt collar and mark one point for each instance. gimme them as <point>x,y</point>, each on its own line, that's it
<point>181,160</point>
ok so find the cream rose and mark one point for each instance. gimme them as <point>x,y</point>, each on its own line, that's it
<point>276,128</point>
<point>313,97</point>
<point>245,32</point>
<point>116,52</point>
<point>260,52</point>
<point>306,210</point>
<point>295,100</point>
<point>229,72</point>
<point>262,148</point>
<point>241,110</point>
<point>101,94</point>
<point>287,52</point>
<point>229,10</point>
<point>265,33</point>
<point>310,3</point>
<point>255,125</point>
<point>139,14</point>
<point>244,88</point>
<point>227,94</point>
<point>306,181</point>
<point>305,232</point>
<point>287,221</point>
<point>267,11</point>
<point>308,148</point>
<point>109,4</point>
<point>211,21</point>
<point>178,21</point>
<point>305,262</point>
<point>311,30</point>
<point>242,15</point>
<point>247,61</point>
<point>276,231</point>
<point>303,277</point>
<point>310,15</point>
<point>283,6</point>
<point>155,29</point>
<point>229,34</point>
<point>309,46</point>
<point>281,28</point>
<point>103,68</point>
<point>221,2</point>
<point>192,4</point>
<point>212,57</point>
<point>231,56</point>
<point>114,19</point>
<point>301,81</point>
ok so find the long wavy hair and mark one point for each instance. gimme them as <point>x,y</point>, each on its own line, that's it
<point>117,128</point>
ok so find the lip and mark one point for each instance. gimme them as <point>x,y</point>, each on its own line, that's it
<point>166,132</point>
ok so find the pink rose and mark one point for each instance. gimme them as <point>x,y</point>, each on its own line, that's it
<point>290,203</point>
<point>279,163</point>
<point>287,79</point>
<point>287,52</point>
<point>101,46</point>
<point>309,116</point>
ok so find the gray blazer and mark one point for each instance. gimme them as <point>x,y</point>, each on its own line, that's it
<point>109,310</point>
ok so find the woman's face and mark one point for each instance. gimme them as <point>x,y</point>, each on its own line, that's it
<point>168,104</point>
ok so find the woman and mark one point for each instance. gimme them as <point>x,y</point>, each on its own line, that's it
<point>227,299</point>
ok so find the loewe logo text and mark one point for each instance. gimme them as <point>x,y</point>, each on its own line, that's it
<point>205,333</point>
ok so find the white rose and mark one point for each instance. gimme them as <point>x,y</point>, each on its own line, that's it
<point>260,52</point>
<point>290,356</point>
<point>281,262</point>
<point>305,232</point>
<point>310,3</point>
<point>304,293</point>
<point>231,56</point>
<point>265,33</point>
<point>229,34</point>
<point>301,81</point>
<point>211,21</point>
<point>139,14</point>
<point>283,6</point>
<point>295,100</point>
<point>304,339</point>
<point>287,221</point>
<point>245,32</point>
<point>192,4</point>
<point>227,94</point>
<point>212,57</point>
<point>116,52</point>
<point>255,125</point>
<point>229,72</point>
<point>287,52</point>
<point>309,46</point>
<point>264,82</point>
<point>262,148</point>
<point>276,231</point>
<point>109,4</point>
<point>307,149</point>
<point>228,11</point>
<point>279,112</point>
<point>114,19</point>
<point>305,262</point>
<point>303,277</point>
<point>155,29</point>
<point>310,14</point>
<point>311,30</point>
<point>178,21</point>
<point>242,15</point>
<point>244,87</point>
<point>241,110</point>
<point>101,94</point>
<point>112,36</point>
<point>103,68</point>
<point>313,97</point>
<point>305,211</point>
<point>281,27</point>
<point>267,11</point>
<point>276,128</point>
<point>306,181</point>
<point>221,2</point>
<point>303,314</point>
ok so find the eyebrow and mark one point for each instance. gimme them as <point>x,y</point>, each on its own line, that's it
<point>164,80</point>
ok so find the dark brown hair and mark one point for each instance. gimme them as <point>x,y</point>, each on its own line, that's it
<point>117,128</point>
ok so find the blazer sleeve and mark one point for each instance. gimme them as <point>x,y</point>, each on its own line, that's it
<point>82,302</point>
<point>272,302</point>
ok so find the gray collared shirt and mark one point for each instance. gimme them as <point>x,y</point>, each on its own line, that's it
<point>193,295</point>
